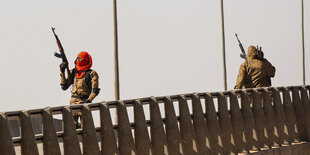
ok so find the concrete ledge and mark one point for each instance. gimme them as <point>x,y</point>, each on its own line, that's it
<point>302,148</point>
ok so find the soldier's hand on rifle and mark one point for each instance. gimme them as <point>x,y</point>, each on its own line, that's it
<point>63,66</point>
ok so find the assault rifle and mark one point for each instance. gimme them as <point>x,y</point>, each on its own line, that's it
<point>242,55</point>
<point>62,54</point>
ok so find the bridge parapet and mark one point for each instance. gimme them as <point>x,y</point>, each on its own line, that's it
<point>238,121</point>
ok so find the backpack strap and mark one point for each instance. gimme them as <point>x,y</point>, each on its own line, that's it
<point>88,77</point>
<point>73,75</point>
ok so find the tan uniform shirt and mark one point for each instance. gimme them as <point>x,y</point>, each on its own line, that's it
<point>82,89</point>
<point>255,73</point>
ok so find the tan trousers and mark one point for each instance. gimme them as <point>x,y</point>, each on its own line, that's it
<point>77,115</point>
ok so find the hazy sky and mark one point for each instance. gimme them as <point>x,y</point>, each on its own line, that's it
<point>166,47</point>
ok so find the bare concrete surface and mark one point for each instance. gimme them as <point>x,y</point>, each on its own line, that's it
<point>40,148</point>
<point>301,148</point>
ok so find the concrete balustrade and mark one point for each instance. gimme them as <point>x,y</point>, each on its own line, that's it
<point>125,138</point>
<point>272,133</point>
<point>290,116</point>
<point>280,119</point>
<point>142,138</point>
<point>70,137</point>
<point>249,123</point>
<point>306,108</point>
<point>213,125</point>
<point>28,140</point>
<point>237,123</point>
<point>6,143</point>
<point>225,125</point>
<point>200,126</point>
<point>260,120</point>
<point>175,143</point>
<point>108,138</point>
<point>257,121</point>
<point>90,144</point>
<point>158,136</point>
<point>300,115</point>
<point>50,141</point>
<point>186,127</point>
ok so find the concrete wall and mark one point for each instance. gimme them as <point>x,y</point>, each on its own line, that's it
<point>258,121</point>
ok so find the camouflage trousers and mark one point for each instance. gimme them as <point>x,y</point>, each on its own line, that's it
<point>77,115</point>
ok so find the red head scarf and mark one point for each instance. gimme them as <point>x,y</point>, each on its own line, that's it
<point>83,62</point>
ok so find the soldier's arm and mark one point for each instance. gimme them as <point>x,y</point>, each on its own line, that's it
<point>270,70</point>
<point>65,83</point>
<point>94,85</point>
<point>241,77</point>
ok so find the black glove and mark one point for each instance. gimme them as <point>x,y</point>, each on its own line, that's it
<point>63,66</point>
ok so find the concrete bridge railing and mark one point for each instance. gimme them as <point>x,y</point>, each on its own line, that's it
<point>243,121</point>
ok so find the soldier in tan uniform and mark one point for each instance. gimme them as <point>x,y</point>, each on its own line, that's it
<point>84,82</point>
<point>255,72</point>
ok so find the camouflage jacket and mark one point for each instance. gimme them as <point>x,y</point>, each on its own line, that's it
<point>85,88</point>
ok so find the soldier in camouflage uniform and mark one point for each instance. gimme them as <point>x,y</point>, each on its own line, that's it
<point>84,82</point>
<point>255,72</point>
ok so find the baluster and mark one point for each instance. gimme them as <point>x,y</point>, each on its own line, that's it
<point>28,140</point>
<point>6,143</point>
<point>70,137</point>
<point>158,137</point>
<point>200,127</point>
<point>270,119</point>
<point>299,113</point>
<point>281,122</point>
<point>213,125</point>
<point>290,116</point>
<point>186,127</point>
<point>249,123</point>
<point>225,125</point>
<point>50,140</point>
<point>107,134</point>
<point>142,139</point>
<point>237,123</point>
<point>125,139</point>
<point>175,144</point>
<point>90,144</point>
<point>306,107</point>
<point>260,120</point>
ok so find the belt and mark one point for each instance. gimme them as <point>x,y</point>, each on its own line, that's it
<point>82,97</point>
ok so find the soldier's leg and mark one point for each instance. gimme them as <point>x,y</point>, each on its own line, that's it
<point>76,115</point>
<point>79,125</point>
<point>76,120</point>
<point>81,122</point>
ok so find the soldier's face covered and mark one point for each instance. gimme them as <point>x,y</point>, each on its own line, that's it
<point>83,62</point>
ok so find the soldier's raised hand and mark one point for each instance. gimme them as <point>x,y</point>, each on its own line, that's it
<point>63,66</point>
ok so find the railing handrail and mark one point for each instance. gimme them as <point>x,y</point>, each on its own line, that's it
<point>129,102</point>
